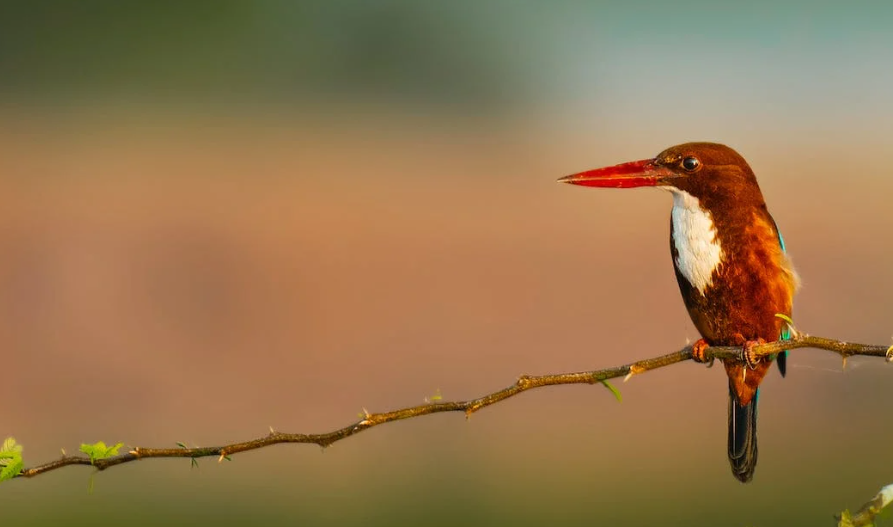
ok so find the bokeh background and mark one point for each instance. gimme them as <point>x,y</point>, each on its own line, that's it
<point>224,216</point>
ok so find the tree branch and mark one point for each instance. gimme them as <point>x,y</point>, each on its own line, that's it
<point>865,516</point>
<point>524,383</point>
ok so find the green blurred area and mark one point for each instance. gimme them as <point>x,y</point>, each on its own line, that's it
<point>428,52</point>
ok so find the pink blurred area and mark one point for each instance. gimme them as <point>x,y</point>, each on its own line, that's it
<point>203,279</point>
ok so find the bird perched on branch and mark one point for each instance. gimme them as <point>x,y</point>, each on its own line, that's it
<point>736,280</point>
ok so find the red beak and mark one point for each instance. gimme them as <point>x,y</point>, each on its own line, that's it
<point>642,173</point>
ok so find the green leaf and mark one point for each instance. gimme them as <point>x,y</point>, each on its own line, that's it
<point>10,445</point>
<point>786,318</point>
<point>99,450</point>
<point>194,462</point>
<point>12,468</point>
<point>10,459</point>
<point>613,390</point>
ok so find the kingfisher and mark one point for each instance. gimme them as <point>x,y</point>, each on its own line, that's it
<point>731,265</point>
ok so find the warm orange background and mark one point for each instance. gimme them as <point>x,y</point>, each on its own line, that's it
<point>170,272</point>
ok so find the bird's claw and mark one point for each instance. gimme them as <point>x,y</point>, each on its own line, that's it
<point>751,358</point>
<point>699,353</point>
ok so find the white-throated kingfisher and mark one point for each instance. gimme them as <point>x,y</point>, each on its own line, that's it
<point>735,277</point>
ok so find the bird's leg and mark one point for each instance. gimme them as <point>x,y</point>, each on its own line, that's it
<point>750,358</point>
<point>698,352</point>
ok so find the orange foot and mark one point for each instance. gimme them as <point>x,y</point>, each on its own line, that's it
<point>699,352</point>
<point>750,358</point>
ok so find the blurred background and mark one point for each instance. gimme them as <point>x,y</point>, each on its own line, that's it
<point>223,216</point>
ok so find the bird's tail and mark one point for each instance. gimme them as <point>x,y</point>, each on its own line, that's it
<point>742,437</point>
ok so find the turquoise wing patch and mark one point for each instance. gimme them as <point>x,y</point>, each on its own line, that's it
<point>786,330</point>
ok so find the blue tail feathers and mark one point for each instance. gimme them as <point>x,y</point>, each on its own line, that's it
<point>742,437</point>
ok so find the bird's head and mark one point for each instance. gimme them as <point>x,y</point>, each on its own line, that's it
<point>703,170</point>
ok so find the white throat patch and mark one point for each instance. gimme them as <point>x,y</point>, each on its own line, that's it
<point>699,252</point>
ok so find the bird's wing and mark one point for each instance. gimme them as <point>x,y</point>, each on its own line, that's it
<point>786,330</point>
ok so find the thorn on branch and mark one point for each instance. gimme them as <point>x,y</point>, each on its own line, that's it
<point>634,369</point>
<point>473,406</point>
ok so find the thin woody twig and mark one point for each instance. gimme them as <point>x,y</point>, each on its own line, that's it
<point>866,515</point>
<point>524,383</point>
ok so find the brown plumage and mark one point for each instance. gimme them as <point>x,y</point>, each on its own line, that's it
<point>730,264</point>
<point>755,279</point>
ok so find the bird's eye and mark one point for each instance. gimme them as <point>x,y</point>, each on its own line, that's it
<point>691,164</point>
